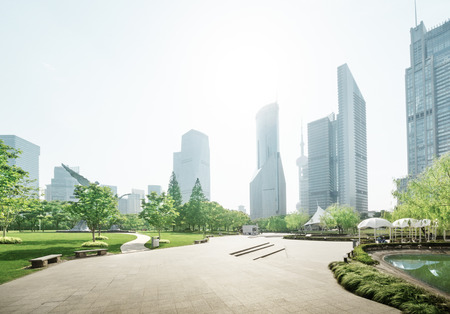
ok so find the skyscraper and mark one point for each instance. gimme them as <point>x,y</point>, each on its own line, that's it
<point>192,162</point>
<point>28,160</point>
<point>154,188</point>
<point>62,185</point>
<point>322,163</point>
<point>427,83</point>
<point>352,143</point>
<point>302,164</point>
<point>268,186</point>
<point>337,151</point>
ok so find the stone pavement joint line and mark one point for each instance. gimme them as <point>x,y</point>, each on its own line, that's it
<point>193,279</point>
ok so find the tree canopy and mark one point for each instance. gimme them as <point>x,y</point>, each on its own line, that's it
<point>96,204</point>
<point>158,211</point>
<point>428,195</point>
<point>341,216</point>
<point>16,194</point>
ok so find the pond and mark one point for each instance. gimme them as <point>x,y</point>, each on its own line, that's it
<point>433,269</point>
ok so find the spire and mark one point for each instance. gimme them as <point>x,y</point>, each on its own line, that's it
<point>302,144</point>
<point>415,11</point>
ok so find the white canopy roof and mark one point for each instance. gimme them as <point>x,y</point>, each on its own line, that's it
<point>374,223</point>
<point>405,222</point>
<point>315,219</point>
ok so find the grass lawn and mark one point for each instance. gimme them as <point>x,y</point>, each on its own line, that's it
<point>175,238</point>
<point>14,257</point>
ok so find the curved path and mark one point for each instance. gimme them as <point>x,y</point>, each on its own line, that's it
<point>137,245</point>
<point>202,278</point>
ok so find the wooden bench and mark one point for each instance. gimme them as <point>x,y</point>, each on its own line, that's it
<point>82,253</point>
<point>44,260</point>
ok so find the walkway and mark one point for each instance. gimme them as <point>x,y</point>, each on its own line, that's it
<point>137,245</point>
<point>202,278</point>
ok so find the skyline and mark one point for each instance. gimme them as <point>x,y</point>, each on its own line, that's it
<point>116,86</point>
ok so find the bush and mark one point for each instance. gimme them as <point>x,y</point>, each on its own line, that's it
<point>10,240</point>
<point>164,241</point>
<point>369,283</point>
<point>95,244</point>
<point>101,238</point>
<point>361,256</point>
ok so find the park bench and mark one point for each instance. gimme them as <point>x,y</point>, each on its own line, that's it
<point>200,241</point>
<point>82,253</point>
<point>44,260</point>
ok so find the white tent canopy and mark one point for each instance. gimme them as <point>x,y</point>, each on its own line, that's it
<point>315,219</point>
<point>374,223</point>
<point>405,223</point>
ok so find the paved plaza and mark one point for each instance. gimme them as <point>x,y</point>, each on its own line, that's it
<point>201,278</point>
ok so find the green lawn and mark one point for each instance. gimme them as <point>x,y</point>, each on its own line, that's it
<point>175,238</point>
<point>14,257</point>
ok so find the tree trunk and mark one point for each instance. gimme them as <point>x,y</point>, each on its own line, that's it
<point>93,235</point>
<point>99,230</point>
<point>4,231</point>
<point>159,233</point>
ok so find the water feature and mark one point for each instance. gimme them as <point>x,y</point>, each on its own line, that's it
<point>433,269</point>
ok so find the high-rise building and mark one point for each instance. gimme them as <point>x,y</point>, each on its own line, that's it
<point>337,151</point>
<point>154,188</point>
<point>29,158</point>
<point>427,83</point>
<point>192,163</point>
<point>268,186</point>
<point>322,163</point>
<point>302,164</point>
<point>62,185</point>
<point>132,203</point>
<point>352,143</point>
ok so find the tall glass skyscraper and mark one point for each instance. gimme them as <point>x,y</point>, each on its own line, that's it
<point>427,83</point>
<point>352,143</point>
<point>268,186</point>
<point>192,163</point>
<point>28,160</point>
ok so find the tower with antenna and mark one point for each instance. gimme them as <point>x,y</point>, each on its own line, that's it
<point>302,164</point>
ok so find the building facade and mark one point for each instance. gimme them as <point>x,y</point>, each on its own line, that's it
<point>268,186</point>
<point>132,203</point>
<point>352,143</point>
<point>303,193</point>
<point>29,158</point>
<point>427,83</point>
<point>192,162</point>
<point>322,163</point>
<point>62,185</point>
<point>154,188</point>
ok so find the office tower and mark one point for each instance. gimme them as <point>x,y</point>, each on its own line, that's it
<point>241,208</point>
<point>62,185</point>
<point>322,163</point>
<point>28,160</point>
<point>352,143</point>
<point>268,187</point>
<point>192,162</point>
<point>154,188</point>
<point>302,164</point>
<point>132,203</point>
<point>427,83</point>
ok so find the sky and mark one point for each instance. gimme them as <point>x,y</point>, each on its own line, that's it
<point>111,86</point>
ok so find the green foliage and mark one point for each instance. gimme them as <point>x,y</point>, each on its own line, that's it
<point>96,204</point>
<point>194,209</point>
<point>174,191</point>
<point>95,244</point>
<point>158,211</point>
<point>340,216</point>
<point>16,194</point>
<point>296,220</point>
<point>428,195</point>
<point>367,282</point>
<point>276,224</point>
<point>101,238</point>
<point>10,240</point>
<point>361,256</point>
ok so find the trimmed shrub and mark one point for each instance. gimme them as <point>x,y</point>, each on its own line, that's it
<point>164,241</point>
<point>369,283</point>
<point>10,240</point>
<point>361,256</point>
<point>95,244</point>
<point>101,238</point>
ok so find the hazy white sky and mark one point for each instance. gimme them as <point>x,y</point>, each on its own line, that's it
<point>111,86</point>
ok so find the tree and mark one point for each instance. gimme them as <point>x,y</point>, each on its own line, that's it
<point>195,208</point>
<point>276,223</point>
<point>95,205</point>
<point>174,191</point>
<point>341,216</point>
<point>158,211</point>
<point>15,190</point>
<point>295,221</point>
<point>428,195</point>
